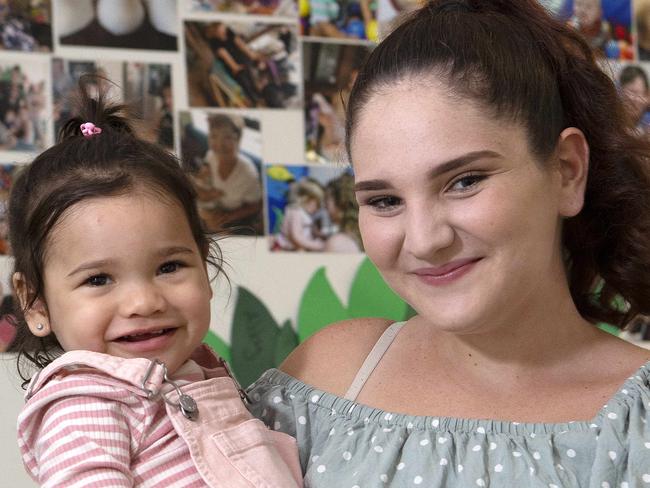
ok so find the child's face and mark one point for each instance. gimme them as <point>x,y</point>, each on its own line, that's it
<point>124,276</point>
<point>312,205</point>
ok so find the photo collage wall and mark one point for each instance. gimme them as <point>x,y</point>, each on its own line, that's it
<point>240,66</point>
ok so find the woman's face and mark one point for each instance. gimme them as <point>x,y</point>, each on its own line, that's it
<point>459,217</point>
<point>223,141</point>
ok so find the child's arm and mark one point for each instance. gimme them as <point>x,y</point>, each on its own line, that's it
<point>78,441</point>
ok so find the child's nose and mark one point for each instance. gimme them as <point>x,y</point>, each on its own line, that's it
<point>143,299</point>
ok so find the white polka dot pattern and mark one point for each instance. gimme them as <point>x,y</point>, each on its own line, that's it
<point>351,445</point>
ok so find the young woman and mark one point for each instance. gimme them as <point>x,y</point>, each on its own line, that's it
<point>505,195</point>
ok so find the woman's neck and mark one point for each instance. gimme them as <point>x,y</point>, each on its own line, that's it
<point>543,331</point>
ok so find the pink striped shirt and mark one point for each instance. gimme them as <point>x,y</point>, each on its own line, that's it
<point>81,430</point>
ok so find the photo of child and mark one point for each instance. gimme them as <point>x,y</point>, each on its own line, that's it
<point>606,24</point>
<point>23,124</point>
<point>329,70</point>
<point>279,8</point>
<point>134,24</point>
<point>146,87</point>
<point>354,19</point>
<point>312,209</point>
<point>26,25</point>
<point>223,154</point>
<point>242,65</point>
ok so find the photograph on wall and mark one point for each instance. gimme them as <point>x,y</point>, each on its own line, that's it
<point>242,65</point>
<point>222,153</point>
<point>26,25</point>
<point>605,24</point>
<point>389,13</point>
<point>145,87</point>
<point>312,209</point>
<point>329,70</point>
<point>341,19</point>
<point>23,117</point>
<point>278,8</point>
<point>642,19</point>
<point>125,24</point>
<point>633,82</point>
<point>7,175</point>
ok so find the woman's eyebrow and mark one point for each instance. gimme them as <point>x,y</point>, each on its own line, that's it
<point>453,164</point>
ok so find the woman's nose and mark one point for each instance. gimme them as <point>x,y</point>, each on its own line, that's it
<point>427,231</point>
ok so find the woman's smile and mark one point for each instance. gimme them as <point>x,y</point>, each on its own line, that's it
<point>447,273</point>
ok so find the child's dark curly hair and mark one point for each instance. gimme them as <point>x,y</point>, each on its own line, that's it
<point>76,168</point>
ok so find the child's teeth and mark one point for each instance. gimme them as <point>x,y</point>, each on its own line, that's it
<point>158,332</point>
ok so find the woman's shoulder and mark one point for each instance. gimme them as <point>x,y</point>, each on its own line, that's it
<point>330,359</point>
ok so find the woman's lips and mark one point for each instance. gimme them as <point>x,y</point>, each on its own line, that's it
<point>448,273</point>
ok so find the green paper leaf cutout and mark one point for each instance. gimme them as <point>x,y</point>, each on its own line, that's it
<point>370,296</point>
<point>218,345</point>
<point>410,312</point>
<point>319,306</point>
<point>254,335</point>
<point>286,342</point>
<point>279,217</point>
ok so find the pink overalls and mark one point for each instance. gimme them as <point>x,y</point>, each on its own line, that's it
<point>227,446</point>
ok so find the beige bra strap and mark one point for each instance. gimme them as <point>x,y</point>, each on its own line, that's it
<point>372,360</point>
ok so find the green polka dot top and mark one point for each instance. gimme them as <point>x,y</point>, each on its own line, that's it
<point>344,444</point>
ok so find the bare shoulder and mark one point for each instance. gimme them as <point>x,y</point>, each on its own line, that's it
<point>330,359</point>
<point>623,357</point>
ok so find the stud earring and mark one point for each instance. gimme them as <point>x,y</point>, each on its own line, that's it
<point>40,326</point>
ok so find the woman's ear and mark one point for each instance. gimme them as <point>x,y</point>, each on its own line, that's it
<point>36,314</point>
<point>572,155</point>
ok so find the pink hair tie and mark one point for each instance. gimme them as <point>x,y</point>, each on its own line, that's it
<point>89,129</point>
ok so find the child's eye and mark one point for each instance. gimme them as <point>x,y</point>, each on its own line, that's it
<point>170,267</point>
<point>384,203</point>
<point>97,280</point>
<point>467,182</point>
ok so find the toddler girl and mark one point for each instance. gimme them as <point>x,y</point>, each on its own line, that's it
<point>111,274</point>
<point>297,230</point>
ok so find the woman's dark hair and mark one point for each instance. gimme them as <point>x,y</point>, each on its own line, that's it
<point>76,168</point>
<point>520,64</point>
<point>341,190</point>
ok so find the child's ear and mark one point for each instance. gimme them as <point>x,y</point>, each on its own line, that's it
<point>36,315</point>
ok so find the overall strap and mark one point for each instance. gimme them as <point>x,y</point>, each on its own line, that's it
<point>145,374</point>
<point>372,360</point>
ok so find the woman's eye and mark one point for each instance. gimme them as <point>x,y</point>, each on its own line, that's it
<point>384,202</point>
<point>97,280</point>
<point>170,267</point>
<point>467,182</point>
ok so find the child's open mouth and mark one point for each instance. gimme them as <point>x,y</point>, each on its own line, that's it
<point>145,336</point>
